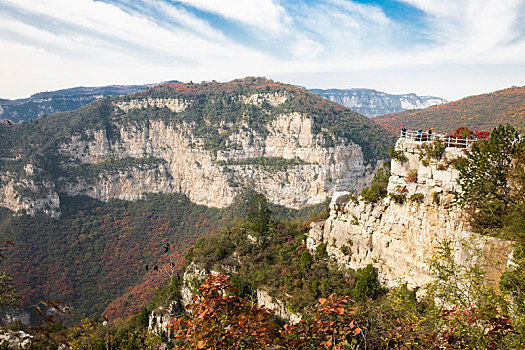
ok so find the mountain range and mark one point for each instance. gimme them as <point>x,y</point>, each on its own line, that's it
<point>367,102</point>
<point>372,103</point>
<point>122,176</point>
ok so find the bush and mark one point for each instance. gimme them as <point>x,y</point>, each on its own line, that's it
<point>377,189</point>
<point>367,284</point>
<point>320,251</point>
<point>345,250</point>
<point>433,150</point>
<point>417,197</point>
<point>398,198</point>
<point>306,260</point>
<point>397,155</point>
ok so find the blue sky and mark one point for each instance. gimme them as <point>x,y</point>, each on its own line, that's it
<point>446,48</point>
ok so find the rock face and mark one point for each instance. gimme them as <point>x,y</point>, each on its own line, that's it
<point>373,103</point>
<point>308,172</point>
<point>400,238</point>
<point>214,179</point>
<point>278,307</point>
<point>28,195</point>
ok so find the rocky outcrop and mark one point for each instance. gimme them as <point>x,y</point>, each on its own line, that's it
<point>172,104</point>
<point>273,99</point>
<point>398,234</point>
<point>27,195</point>
<point>264,299</point>
<point>160,319</point>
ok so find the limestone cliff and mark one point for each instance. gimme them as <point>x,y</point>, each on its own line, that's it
<point>212,178</point>
<point>399,233</point>
<point>206,146</point>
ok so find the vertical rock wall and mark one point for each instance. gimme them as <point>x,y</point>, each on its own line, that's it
<point>400,238</point>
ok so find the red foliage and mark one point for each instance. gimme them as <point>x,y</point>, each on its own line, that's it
<point>222,321</point>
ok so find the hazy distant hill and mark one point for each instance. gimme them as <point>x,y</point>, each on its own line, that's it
<point>480,112</point>
<point>49,102</point>
<point>371,103</point>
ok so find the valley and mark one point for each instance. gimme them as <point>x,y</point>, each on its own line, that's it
<point>106,204</point>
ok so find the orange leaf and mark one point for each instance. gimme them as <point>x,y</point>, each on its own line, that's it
<point>201,344</point>
<point>322,301</point>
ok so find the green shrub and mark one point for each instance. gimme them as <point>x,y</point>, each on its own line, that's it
<point>377,189</point>
<point>397,155</point>
<point>367,284</point>
<point>417,197</point>
<point>320,251</point>
<point>398,198</point>
<point>432,150</point>
<point>306,260</point>
<point>345,250</point>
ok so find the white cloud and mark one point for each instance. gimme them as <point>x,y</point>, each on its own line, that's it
<point>133,41</point>
<point>267,15</point>
<point>478,24</point>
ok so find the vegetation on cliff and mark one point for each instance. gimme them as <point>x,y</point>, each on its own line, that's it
<point>492,177</point>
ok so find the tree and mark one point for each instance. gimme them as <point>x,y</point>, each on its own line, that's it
<point>366,285</point>
<point>260,215</point>
<point>484,176</point>
<point>470,314</point>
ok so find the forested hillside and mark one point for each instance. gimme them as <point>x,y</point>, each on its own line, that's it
<point>97,252</point>
<point>481,112</point>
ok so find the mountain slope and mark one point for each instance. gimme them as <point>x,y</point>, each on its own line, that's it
<point>41,103</point>
<point>204,140</point>
<point>371,103</point>
<point>481,112</point>
<point>108,185</point>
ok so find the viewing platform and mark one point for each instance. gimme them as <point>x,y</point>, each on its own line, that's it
<point>449,140</point>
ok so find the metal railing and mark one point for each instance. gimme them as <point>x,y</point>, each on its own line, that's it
<point>448,141</point>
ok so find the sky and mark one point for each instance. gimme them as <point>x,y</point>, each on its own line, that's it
<point>445,48</point>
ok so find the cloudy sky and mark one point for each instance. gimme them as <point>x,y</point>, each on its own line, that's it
<point>446,48</point>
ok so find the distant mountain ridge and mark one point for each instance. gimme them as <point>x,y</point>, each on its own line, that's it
<point>479,112</point>
<point>371,103</point>
<point>48,102</point>
<point>367,102</point>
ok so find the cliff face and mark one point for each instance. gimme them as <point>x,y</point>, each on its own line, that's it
<point>372,103</point>
<point>28,194</point>
<point>400,238</point>
<point>286,154</point>
<point>312,173</point>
